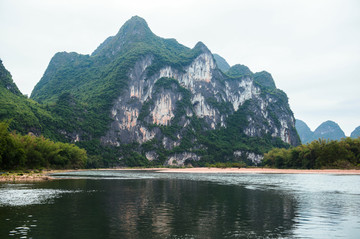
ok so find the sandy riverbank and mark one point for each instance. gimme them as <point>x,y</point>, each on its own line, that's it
<point>248,170</point>
<point>29,176</point>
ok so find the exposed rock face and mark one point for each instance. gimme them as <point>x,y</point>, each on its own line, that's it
<point>199,71</point>
<point>172,102</point>
<point>179,159</point>
<point>254,158</point>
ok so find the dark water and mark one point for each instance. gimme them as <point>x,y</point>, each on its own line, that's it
<point>113,204</point>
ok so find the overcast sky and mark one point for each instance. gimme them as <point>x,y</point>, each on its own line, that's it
<point>311,47</point>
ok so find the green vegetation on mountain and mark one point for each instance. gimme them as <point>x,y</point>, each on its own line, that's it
<point>26,115</point>
<point>239,71</point>
<point>51,119</point>
<point>265,79</point>
<point>31,152</point>
<point>316,155</point>
<point>98,79</point>
<point>22,115</point>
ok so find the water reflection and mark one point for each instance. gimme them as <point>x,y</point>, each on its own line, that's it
<point>189,208</point>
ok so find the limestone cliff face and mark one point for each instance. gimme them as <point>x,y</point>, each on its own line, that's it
<point>213,97</point>
<point>171,103</point>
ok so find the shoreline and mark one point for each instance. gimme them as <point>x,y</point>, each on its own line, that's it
<point>245,170</point>
<point>46,174</point>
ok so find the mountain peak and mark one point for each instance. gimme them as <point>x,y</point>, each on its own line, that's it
<point>136,20</point>
<point>134,30</point>
<point>134,26</point>
<point>200,45</point>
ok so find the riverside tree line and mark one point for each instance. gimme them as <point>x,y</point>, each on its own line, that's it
<point>316,155</point>
<point>30,152</point>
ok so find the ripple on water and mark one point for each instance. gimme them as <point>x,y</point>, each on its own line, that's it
<point>23,195</point>
<point>20,231</point>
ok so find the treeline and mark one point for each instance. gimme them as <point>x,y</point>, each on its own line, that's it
<point>316,155</point>
<point>31,152</point>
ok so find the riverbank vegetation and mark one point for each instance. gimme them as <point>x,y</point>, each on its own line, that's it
<point>318,154</point>
<point>32,152</point>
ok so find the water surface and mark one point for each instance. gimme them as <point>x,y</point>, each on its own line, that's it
<point>146,204</point>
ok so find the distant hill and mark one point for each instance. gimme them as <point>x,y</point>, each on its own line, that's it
<point>327,130</point>
<point>221,63</point>
<point>355,133</point>
<point>304,131</point>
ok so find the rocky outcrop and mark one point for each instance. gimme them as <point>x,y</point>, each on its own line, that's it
<point>180,159</point>
<point>249,156</point>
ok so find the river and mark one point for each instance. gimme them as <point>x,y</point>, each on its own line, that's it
<point>148,204</point>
